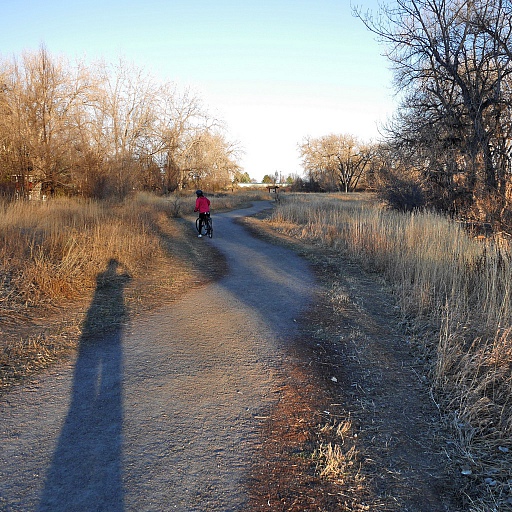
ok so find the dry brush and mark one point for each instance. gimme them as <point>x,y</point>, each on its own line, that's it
<point>455,291</point>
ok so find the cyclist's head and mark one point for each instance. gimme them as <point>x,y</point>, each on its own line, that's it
<point>199,193</point>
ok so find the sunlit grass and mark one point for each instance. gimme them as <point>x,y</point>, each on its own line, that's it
<point>54,249</point>
<point>52,252</point>
<point>454,290</point>
<point>334,460</point>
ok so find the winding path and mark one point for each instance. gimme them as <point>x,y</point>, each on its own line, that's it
<point>164,413</point>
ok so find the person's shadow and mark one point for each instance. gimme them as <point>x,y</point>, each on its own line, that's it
<point>86,469</point>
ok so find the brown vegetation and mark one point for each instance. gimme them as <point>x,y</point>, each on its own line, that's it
<point>52,252</point>
<point>448,143</point>
<point>337,162</point>
<point>454,293</point>
<point>103,131</point>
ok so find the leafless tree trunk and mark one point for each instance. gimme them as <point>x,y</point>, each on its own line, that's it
<point>454,71</point>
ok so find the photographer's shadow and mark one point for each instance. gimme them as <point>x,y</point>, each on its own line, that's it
<point>86,470</point>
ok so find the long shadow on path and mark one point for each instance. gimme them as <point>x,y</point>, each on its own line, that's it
<point>86,469</point>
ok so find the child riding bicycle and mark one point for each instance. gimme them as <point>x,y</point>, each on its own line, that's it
<point>203,207</point>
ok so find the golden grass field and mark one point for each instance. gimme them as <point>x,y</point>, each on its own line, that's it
<point>454,291</point>
<point>52,252</point>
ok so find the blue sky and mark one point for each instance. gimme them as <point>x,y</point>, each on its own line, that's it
<point>275,71</point>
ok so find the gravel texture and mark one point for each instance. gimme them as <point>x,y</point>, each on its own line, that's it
<point>165,413</point>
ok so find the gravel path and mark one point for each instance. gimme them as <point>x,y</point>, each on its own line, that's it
<point>164,413</point>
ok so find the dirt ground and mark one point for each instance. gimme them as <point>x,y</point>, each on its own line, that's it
<point>354,369</point>
<point>236,396</point>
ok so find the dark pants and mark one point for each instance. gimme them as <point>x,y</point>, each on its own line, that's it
<point>202,218</point>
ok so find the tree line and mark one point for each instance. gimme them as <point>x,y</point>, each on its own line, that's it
<point>103,130</point>
<point>449,144</point>
<point>108,129</point>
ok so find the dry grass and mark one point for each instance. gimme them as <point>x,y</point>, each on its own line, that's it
<point>53,250</point>
<point>51,254</point>
<point>455,292</point>
<point>334,461</point>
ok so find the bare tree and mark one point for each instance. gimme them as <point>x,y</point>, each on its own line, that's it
<point>54,93</point>
<point>336,162</point>
<point>182,121</point>
<point>127,115</point>
<point>451,64</point>
<point>212,161</point>
<point>104,130</point>
<point>14,164</point>
<point>40,98</point>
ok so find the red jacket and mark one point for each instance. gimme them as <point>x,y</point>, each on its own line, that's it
<point>202,205</point>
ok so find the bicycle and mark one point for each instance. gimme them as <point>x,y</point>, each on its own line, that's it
<point>206,228</point>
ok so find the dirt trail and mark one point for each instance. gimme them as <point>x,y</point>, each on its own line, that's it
<point>166,412</point>
<point>214,402</point>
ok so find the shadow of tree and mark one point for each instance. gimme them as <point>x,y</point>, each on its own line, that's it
<point>86,469</point>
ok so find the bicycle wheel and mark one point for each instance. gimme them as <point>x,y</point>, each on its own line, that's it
<point>209,228</point>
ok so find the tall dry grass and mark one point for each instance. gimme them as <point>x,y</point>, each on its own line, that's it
<point>53,250</point>
<point>457,291</point>
<point>51,254</point>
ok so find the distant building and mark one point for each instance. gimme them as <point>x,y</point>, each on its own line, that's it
<point>253,185</point>
<point>25,188</point>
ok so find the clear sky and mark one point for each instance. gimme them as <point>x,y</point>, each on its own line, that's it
<point>275,71</point>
